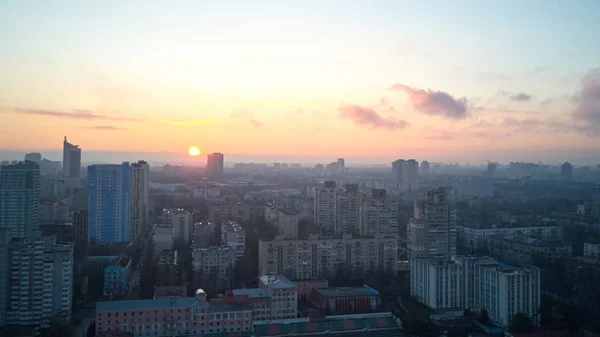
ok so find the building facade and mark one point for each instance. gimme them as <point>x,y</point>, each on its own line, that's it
<point>233,235</point>
<point>325,207</point>
<point>181,223</point>
<point>109,203</point>
<point>140,197</point>
<point>378,214</point>
<point>214,165</point>
<point>71,163</point>
<point>406,174</point>
<point>213,267</point>
<point>20,198</point>
<point>117,277</point>
<point>523,251</point>
<point>474,238</point>
<point>319,257</point>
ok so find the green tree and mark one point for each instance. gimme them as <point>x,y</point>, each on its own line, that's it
<point>91,331</point>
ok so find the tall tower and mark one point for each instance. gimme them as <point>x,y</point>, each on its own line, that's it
<point>347,210</point>
<point>140,197</point>
<point>71,160</point>
<point>406,173</point>
<point>20,198</point>
<point>109,203</point>
<point>214,165</point>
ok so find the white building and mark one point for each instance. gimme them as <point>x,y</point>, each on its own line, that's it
<point>181,222</point>
<point>233,235</point>
<point>477,238</point>
<point>213,267</point>
<point>140,198</point>
<point>283,296</point>
<point>40,281</point>
<point>477,283</point>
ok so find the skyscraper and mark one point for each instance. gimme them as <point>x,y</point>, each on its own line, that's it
<point>139,197</point>
<point>109,203</point>
<point>34,157</point>
<point>214,165</point>
<point>406,174</point>
<point>20,198</point>
<point>341,165</point>
<point>432,230</point>
<point>71,160</point>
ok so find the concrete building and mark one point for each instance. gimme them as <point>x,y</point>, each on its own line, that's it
<point>474,238</point>
<point>213,267</point>
<point>319,257</point>
<point>591,251</point>
<point>109,203</point>
<point>71,163</point>
<point>168,273</point>
<point>214,165</point>
<point>325,207</point>
<point>117,276</point>
<point>5,266</point>
<point>287,223</point>
<point>163,239</point>
<point>140,198</point>
<point>523,251</point>
<point>20,198</point>
<point>233,235</point>
<point>204,232</point>
<point>566,171</point>
<point>432,230</point>
<point>424,170</point>
<point>347,210</point>
<point>234,212</point>
<point>34,157</point>
<point>189,316</point>
<point>477,283</point>
<point>181,223</point>
<point>406,174</point>
<point>470,188</point>
<point>283,296</point>
<point>80,222</point>
<point>257,299</point>
<point>345,300</point>
<point>41,281</point>
<point>378,214</point>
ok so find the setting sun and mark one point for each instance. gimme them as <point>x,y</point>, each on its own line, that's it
<point>194,151</point>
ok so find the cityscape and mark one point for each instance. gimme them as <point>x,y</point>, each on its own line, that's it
<point>234,168</point>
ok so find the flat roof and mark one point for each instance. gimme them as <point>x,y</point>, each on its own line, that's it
<point>348,291</point>
<point>251,293</point>
<point>277,281</point>
<point>165,303</point>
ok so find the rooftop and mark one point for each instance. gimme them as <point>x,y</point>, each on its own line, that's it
<point>251,293</point>
<point>277,281</point>
<point>348,291</point>
<point>165,303</point>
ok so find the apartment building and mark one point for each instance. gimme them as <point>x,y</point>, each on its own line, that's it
<point>378,214</point>
<point>181,223</point>
<point>477,283</point>
<point>203,234</point>
<point>233,235</point>
<point>523,251</point>
<point>20,198</point>
<point>168,269</point>
<point>283,296</point>
<point>117,277</point>
<point>213,267</point>
<point>347,210</point>
<point>189,316</point>
<point>140,197</point>
<point>234,211</point>
<point>321,257</point>
<point>325,206</point>
<point>474,238</point>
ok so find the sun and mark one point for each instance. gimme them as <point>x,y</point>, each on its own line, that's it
<point>194,151</point>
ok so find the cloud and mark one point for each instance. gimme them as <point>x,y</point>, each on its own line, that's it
<point>190,123</point>
<point>256,123</point>
<point>587,101</point>
<point>435,103</point>
<point>76,114</point>
<point>105,127</point>
<point>369,117</point>
<point>243,113</point>
<point>517,97</point>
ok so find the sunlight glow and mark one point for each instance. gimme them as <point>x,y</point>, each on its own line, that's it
<point>194,151</point>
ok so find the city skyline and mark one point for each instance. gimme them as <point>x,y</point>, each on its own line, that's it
<point>375,82</point>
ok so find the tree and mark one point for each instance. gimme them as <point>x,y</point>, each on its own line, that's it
<point>521,322</point>
<point>91,331</point>
<point>57,328</point>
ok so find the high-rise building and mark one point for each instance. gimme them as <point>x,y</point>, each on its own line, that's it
<point>109,203</point>
<point>80,222</point>
<point>41,281</point>
<point>71,160</point>
<point>378,214</point>
<point>5,267</point>
<point>181,223</point>
<point>432,230</point>
<point>34,157</point>
<point>140,197</point>
<point>341,165</point>
<point>424,170</point>
<point>20,198</point>
<point>233,235</point>
<point>213,267</point>
<point>347,210</point>
<point>492,168</point>
<point>566,171</point>
<point>214,165</point>
<point>324,208</point>
<point>406,174</point>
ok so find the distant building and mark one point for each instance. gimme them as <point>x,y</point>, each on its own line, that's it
<point>324,208</point>
<point>168,269</point>
<point>181,222</point>
<point>347,210</point>
<point>492,169</point>
<point>345,300</point>
<point>591,251</point>
<point>213,267</point>
<point>233,235</point>
<point>188,316</point>
<point>406,174</point>
<point>20,198</point>
<point>469,188</point>
<point>214,165</point>
<point>34,157</point>
<point>424,170</point>
<point>524,251</point>
<point>169,291</point>
<point>283,296</point>
<point>204,232</point>
<point>287,224</point>
<point>378,214</point>
<point>566,171</point>
<point>140,198</point>
<point>474,238</point>
<point>341,163</point>
<point>71,160</point>
<point>234,212</point>
<point>117,276</point>
<point>109,202</point>
<point>80,221</point>
<point>163,239</point>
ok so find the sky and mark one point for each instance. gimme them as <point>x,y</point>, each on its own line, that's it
<point>366,80</point>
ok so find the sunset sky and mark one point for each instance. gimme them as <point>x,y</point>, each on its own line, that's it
<point>471,80</point>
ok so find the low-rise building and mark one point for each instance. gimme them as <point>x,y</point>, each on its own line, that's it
<point>189,316</point>
<point>345,300</point>
<point>283,296</point>
<point>117,277</point>
<point>234,212</point>
<point>523,251</point>
<point>474,238</point>
<point>169,291</point>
